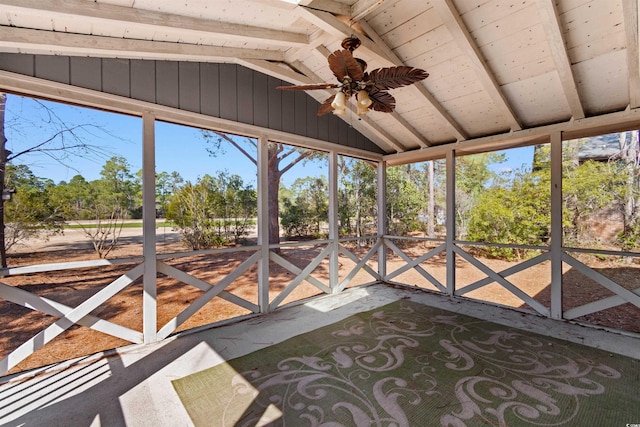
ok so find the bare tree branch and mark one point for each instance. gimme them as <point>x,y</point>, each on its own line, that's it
<point>238,147</point>
<point>296,161</point>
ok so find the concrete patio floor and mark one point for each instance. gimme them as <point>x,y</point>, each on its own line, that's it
<point>132,386</point>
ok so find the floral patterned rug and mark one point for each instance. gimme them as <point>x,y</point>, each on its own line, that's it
<point>407,364</point>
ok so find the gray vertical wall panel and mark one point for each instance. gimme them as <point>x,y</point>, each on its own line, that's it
<point>18,63</point>
<point>333,130</point>
<point>189,86</point>
<point>143,80</point>
<point>352,134</point>
<point>323,127</point>
<point>353,137</point>
<point>300,113</point>
<point>167,83</point>
<point>116,77</point>
<point>86,72</point>
<point>343,135</point>
<point>245,94</point>
<point>260,100</point>
<point>210,87</point>
<point>54,68</point>
<point>359,139</point>
<point>275,103</point>
<point>227,91</point>
<point>368,145</point>
<point>288,111</point>
<point>312,119</point>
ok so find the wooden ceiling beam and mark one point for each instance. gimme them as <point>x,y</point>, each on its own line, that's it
<point>333,25</point>
<point>459,32</point>
<point>552,28</point>
<point>276,70</point>
<point>631,18</point>
<point>380,132</point>
<point>362,8</point>
<point>319,38</point>
<point>571,129</point>
<point>459,133</point>
<point>90,10</point>
<point>39,41</point>
<point>46,42</point>
<point>330,6</point>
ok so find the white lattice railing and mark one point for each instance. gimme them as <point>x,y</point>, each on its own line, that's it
<point>621,295</point>
<point>68,316</point>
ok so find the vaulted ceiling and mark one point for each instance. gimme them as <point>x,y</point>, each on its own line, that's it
<point>497,67</point>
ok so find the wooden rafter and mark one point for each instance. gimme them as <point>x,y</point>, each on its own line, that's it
<point>39,41</point>
<point>571,129</point>
<point>277,71</point>
<point>459,133</point>
<point>451,18</point>
<point>331,6</point>
<point>631,18</point>
<point>552,28</point>
<point>101,12</point>
<point>332,25</point>
<point>362,8</point>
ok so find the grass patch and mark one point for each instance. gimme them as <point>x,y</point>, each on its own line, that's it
<point>125,225</point>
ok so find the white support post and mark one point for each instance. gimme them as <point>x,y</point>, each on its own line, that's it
<point>334,264</point>
<point>263,223</point>
<point>149,301</point>
<point>556,225</point>
<point>451,221</point>
<point>382,218</point>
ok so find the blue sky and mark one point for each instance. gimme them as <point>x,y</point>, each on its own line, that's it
<point>178,148</point>
<point>516,159</point>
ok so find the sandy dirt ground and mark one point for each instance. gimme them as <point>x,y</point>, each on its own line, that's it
<point>72,287</point>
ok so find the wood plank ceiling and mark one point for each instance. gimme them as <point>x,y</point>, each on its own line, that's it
<point>496,66</point>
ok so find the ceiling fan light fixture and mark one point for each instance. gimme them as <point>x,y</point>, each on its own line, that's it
<point>342,112</point>
<point>362,110</point>
<point>370,88</point>
<point>363,99</point>
<point>340,101</point>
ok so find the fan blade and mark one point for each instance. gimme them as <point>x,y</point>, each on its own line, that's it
<point>394,77</point>
<point>309,87</point>
<point>326,107</point>
<point>382,101</point>
<point>343,64</point>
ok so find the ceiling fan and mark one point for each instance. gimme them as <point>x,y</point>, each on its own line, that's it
<point>370,89</point>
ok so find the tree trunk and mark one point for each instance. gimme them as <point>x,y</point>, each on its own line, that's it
<point>431,206</point>
<point>3,163</point>
<point>274,175</point>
